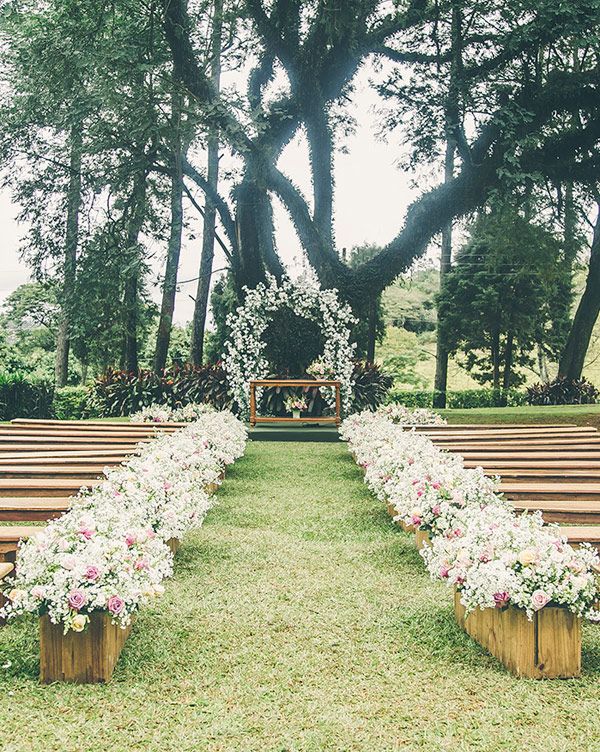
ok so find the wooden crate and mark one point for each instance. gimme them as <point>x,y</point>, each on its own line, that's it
<point>87,657</point>
<point>422,538</point>
<point>548,647</point>
<point>173,544</point>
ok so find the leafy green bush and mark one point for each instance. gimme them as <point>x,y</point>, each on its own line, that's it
<point>463,399</point>
<point>72,403</point>
<point>411,397</point>
<point>122,393</point>
<point>563,391</point>
<point>21,397</point>
<point>469,398</point>
<point>371,385</point>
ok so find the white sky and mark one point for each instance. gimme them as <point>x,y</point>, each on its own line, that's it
<point>371,197</point>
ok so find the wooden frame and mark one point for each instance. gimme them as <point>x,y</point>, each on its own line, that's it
<point>254,418</point>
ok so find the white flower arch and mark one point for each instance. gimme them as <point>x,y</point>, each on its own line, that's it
<point>244,351</point>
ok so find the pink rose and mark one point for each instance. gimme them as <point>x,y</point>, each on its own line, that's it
<point>130,539</point>
<point>92,573</point>
<point>437,510</point>
<point>501,599</point>
<point>87,532</point>
<point>167,485</point>
<point>142,564</point>
<point>436,485</point>
<point>539,599</point>
<point>444,571</point>
<point>115,605</point>
<point>77,599</point>
<point>415,520</point>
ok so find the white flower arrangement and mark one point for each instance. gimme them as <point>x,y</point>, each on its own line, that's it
<point>408,416</point>
<point>479,545</point>
<point>244,358</point>
<point>163,414</point>
<point>294,402</point>
<point>108,552</point>
<point>89,562</point>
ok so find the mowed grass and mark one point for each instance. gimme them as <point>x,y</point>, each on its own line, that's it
<point>299,618</point>
<point>581,415</point>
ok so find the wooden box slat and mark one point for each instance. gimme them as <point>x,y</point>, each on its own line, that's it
<point>548,647</point>
<point>87,657</point>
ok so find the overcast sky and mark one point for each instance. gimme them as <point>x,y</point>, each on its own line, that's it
<point>371,197</point>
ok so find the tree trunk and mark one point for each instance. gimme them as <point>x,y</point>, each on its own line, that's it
<point>508,358</point>
<point>61,366</point>
<point>208,230</point>
<point>440,382</point>
<point>495,360</point>
<point>542,364</point>
<point>165,322</point>
<point>133,265</point>
<point>573,356</point>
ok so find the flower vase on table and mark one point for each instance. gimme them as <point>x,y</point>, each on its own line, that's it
<point>295,405</point>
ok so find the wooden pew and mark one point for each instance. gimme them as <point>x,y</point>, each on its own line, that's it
<point>74,439</point>
<point>10,535</point>
<point>32,508</point>
<point>582,534</point>
<point>65,446</point>
<point>81,472</point>
<point>50,461</point>
<point>43,487</point>
<point>37,423</point>
<point>555,491</point>
<point>566,512</point>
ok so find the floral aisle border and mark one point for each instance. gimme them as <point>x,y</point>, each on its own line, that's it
<point>244,358</point>
<point>494,558</point>
<point>109,553</point>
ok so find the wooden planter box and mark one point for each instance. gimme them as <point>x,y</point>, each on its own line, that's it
<point>548,647</point>
<point>173,544</point>
<point>391,510</point>
<point>422,538</point>
<point>80,657</point>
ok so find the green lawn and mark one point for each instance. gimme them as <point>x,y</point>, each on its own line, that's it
<point>299,618</point>
<point>575,414</point>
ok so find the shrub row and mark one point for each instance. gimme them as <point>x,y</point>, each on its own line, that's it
<point>563,391</point>
<point>464,399</point>
<point>22,398</point>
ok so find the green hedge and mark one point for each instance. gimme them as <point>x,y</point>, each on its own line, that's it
<point>73,403</point>
<point>23,398</point>
<point>467,398</point>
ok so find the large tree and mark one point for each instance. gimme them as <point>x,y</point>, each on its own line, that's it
<point>526,122</point>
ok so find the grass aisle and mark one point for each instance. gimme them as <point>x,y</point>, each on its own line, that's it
<point>299,619</point>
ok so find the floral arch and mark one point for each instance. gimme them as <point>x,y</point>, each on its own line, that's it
<point>244,358</point>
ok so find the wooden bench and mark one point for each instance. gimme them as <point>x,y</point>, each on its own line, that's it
<point>43,423</point>
<point>567,512</point>
<point>74,439</point>
<point>560,491</point>
<point>23,449</point>
<point>10,535</point>
<point>81,472</point>
<point>50,460</point>
<point>578,534</point>
<point>43,486</point>
<point>33,508</point>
